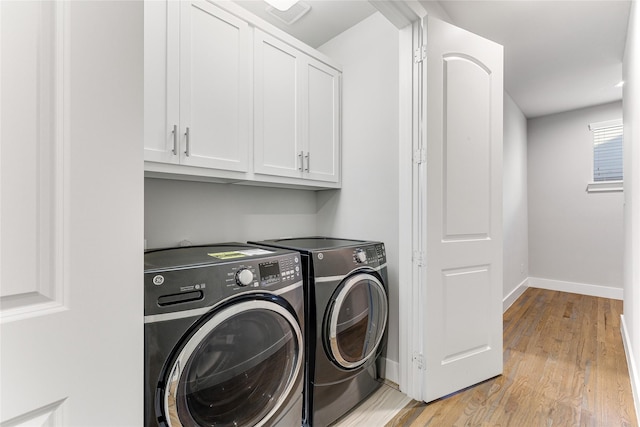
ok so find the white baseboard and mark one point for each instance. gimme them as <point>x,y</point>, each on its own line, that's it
<point>514,294</point>
<point>576,288</point>
<point>634,375</point>
<point>392,370</point>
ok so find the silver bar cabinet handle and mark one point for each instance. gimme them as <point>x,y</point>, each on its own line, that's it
<point>175,140</point>
<point>308,157</point>
<point>187,151</point>
<point>300,161</point>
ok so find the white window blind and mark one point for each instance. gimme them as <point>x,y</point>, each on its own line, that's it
<point>607,150</point>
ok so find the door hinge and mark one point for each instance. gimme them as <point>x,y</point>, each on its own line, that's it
<point>419,156</point>
<point>419,258</point>
<point>420,54</point>
<point>418,359</point>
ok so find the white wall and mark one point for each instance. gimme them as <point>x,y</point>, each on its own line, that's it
<point>574,236</point>
<point>367,205</point>
<point>631,96</point>
<point>105,213</point>
<point>515,220</point>
<point>203,212</point>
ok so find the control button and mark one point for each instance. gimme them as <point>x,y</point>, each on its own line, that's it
<point>297,268</point>
<point>244,277</point>
<point>360,256</point>
<point>295,260</point>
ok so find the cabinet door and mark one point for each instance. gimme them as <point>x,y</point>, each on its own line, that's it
<point>161,81</point>
<point>277,143</point>
<point>322,121</point>
<point>214,88</point>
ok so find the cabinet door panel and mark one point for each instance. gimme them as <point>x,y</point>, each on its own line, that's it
<point>161,80</point>
<point>214,88</point>
<point>277,135</point>
<point>322,122</point>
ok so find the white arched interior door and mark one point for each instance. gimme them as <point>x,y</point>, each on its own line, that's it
<point>462,264</point>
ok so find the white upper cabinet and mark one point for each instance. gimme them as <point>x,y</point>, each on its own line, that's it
<point>161,80</point>
<point>296,113</point>
<point>196,86</point>
<point>214,88</point>
<point>230,97</point>
<point>278,134</point>
<point>321,124</point>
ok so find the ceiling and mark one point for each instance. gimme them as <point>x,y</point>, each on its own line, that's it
<point>559,55</point>
<point>325,20</point>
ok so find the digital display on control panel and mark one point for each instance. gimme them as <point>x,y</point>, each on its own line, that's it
<point>269,272</point>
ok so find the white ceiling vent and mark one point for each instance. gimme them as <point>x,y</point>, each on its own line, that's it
<point>290,15</point>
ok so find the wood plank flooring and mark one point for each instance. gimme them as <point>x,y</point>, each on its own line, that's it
<point>564,365</point>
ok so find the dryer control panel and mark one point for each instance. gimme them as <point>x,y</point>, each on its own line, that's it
<point>369,254</point>
<point>342,261</point>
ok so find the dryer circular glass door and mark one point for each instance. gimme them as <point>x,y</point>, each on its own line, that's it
<point>355,320</point>
<point>237,369</point>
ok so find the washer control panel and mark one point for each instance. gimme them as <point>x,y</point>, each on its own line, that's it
<point>263,273</point>
<point>230,273</point>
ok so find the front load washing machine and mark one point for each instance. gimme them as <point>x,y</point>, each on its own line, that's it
<point>223,330</point>
<point>346,299</point>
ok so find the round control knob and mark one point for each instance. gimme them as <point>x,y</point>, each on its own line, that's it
<point>361,256</point>
<point>244,277</point>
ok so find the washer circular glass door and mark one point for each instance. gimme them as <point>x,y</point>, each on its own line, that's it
<point>237,369</point>
<point>356,320</point>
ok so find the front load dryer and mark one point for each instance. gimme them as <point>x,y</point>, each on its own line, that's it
<point>346,298</point>
<point>223,330</point>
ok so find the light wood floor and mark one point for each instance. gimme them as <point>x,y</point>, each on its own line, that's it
<point>564,365</point>
<point>377,409</point>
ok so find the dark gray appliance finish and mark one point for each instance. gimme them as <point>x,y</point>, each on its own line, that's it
<point>224,340</point>
<point>346,304</point>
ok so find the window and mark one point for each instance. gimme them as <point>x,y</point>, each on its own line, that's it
<point>607,156</point>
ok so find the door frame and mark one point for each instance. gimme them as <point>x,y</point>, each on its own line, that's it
<point>409,17</point>
<point>412,205</point>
